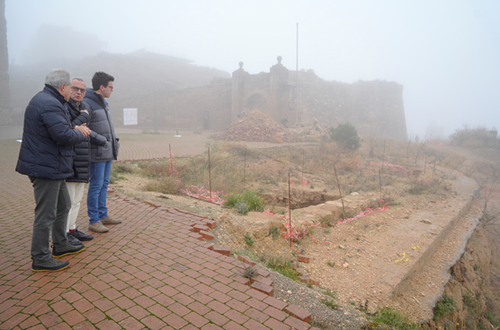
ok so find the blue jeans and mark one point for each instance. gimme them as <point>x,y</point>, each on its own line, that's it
<point>98,190</point>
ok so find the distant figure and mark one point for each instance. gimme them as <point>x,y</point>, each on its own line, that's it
<point>46,156</point>
<point>284,121</point>
<point>80,113</point>
<point>417,139</point>
<point>101,156</point>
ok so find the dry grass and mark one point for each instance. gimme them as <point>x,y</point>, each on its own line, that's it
<point>378,165</point>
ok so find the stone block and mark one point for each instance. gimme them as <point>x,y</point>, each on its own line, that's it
<point>263,272</point>
<point>196,235</point>
<point>222,250</point>
<point>199,228</point>
<point>210,223</point>
<point>206,235</point>
<point>263,280</point>
<point>246,260</point>
<point>304,279</point>
<point>299,313</point>
<point>266,289</point>
<point>304,258</point>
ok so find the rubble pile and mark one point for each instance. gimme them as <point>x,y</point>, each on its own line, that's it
<point>256,126</point>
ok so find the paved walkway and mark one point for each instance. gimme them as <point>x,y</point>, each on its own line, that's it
<point>150,272</point>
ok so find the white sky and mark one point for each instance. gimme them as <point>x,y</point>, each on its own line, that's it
<point>446,53</point>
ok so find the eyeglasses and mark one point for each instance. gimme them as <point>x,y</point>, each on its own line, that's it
<point>76,89</point>
<point>110,87</point>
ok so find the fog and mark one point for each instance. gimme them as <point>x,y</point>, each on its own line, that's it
<point>445,53</point>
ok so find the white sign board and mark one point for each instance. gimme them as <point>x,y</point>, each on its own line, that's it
<point>130,116</point>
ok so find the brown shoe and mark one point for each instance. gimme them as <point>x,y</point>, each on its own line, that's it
<point>110,221</point>
<point>98,227</point>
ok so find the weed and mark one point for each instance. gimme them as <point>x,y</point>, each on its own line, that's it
<point>249,240</point>
<point>274,232</point>
<point>330,303</point>
<point>250,272</point>
<point>476,267</point>
<point>422,186</point>
<point>281,265</point>
<point>331,293</point>
<point>309,285</point>
<point>472,302</point>
<point>115,177</point>
<point>325,222</point>
<point>443,307</point>
<point>391,317</point>
<point>331,264</point>
<point>123,168</point>
<point>165,185</point>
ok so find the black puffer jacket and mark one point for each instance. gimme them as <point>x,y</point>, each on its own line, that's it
<point>100,122</point>
<point>81,161</point>
<point>48,138</point>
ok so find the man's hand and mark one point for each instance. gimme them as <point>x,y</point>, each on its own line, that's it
<point>84,111</point>
<point>83,129</point>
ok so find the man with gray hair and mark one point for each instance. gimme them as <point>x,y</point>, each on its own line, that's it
<point>46,156</point>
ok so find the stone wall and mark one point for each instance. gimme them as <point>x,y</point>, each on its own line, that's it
<point>194,109</point>
<point>375,108</point>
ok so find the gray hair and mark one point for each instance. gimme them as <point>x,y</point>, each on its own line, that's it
<point>57,77</point>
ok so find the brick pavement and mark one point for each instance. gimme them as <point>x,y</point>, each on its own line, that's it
<point>150,272</point>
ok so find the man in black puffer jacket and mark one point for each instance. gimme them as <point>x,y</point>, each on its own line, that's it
<point>46,156</point>
<point>101,156</point>
<point>80,113</point>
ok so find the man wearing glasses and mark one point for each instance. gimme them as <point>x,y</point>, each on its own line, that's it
<point>101,156</point>
<point>80,113</point>
<point>46,157</point>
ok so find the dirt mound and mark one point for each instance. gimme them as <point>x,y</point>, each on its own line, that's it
<point>256,126</point>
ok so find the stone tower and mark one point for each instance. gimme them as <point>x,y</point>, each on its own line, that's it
<point>4,69</point>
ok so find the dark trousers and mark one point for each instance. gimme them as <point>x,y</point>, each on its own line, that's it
<point>51,213</point>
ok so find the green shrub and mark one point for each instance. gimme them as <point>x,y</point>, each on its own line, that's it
<point>241,207</point>
<point>443,307</point>
<point>249,240</point>
<point>251,199</point>
<point>346,136</point>
<point>473,137</point>
<point>391,317</point>
<point>493,320</point>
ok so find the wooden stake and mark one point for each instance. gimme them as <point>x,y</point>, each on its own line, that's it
<point>209,176</point>
<point>289,210</point>
<point>340,192</point>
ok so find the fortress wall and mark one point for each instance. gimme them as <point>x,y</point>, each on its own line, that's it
<point>375,108</point>
<point>188,106</point>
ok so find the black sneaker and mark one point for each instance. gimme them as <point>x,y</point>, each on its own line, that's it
<point>81,236</point>
<point>49,265</point>
<point>64,250</point>
<point>73,240</point>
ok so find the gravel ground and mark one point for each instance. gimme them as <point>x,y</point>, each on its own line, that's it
<point>309,299</point>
